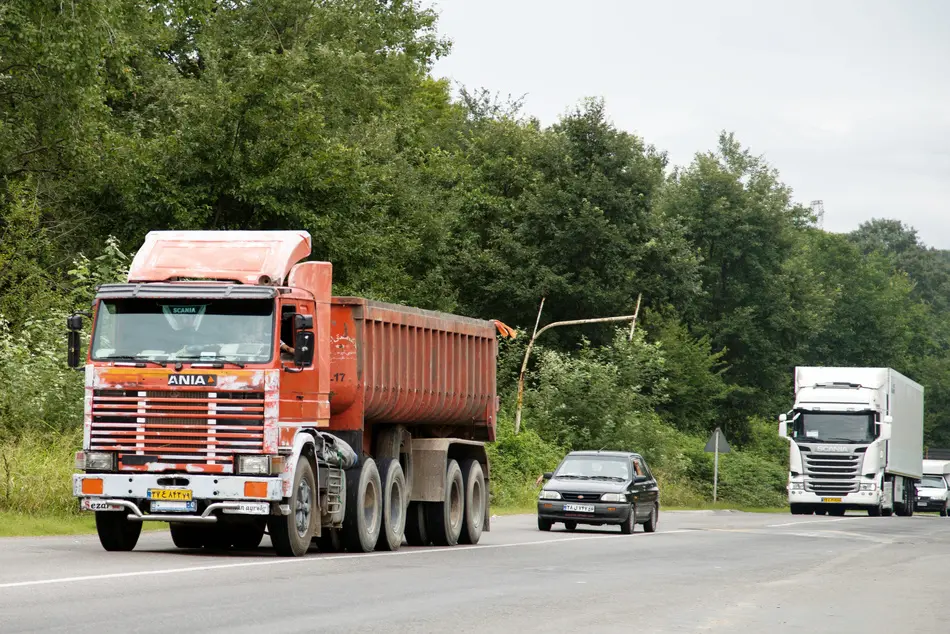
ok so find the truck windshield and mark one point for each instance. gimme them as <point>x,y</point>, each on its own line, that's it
<point>832,428</point>
<point>594,468</point>
<point>195,329</point>
<point>932,482</point>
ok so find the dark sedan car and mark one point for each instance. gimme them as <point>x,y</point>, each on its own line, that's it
<point>600,487</point>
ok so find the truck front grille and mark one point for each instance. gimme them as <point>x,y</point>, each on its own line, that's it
<point>177,427</point>
<point>831,474</point>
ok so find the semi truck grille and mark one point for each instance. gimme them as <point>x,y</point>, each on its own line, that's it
<point>177,427</point>
<point>831,474</point>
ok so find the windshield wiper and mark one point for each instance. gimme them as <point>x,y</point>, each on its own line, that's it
<point>572,475</point>
<point>129,357</point>
<point>608,478</point>
<point>216,362</point>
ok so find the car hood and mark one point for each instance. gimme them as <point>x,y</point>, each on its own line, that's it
<point>927,492</point>
<point>584,486</point>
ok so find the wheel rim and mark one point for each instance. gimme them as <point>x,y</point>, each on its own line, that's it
<point>395,507</point>
<point>455,504</point>
<point>370,507</point>
<point>303,505</point>
<point>478,508</point>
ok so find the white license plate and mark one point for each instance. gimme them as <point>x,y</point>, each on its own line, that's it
<point>98,505</point>
<point>579,508</point>
<point>249,508</point>
<point>174,507</point>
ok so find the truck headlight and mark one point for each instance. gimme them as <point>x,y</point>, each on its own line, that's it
<point>613,497</point>
<point>796,486</point>
<point>549,495</point>
<point>869,486</point>
<point>95,461</point>
<point>253,465</point>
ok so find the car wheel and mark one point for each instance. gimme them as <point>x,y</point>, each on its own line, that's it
<point>650,526</point>
<point>630,523</point>
<point>544,525</point>
<point>571,526</point>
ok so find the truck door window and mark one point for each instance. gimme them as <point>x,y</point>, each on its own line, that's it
<point>287,332</point>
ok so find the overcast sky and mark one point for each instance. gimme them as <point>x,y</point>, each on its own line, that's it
<point>848,99</point>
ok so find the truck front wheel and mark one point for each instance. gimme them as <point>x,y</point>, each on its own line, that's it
<point>116,532</point>
<point>291,534</point>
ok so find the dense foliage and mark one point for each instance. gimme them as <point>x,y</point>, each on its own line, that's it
<point>118,117</point>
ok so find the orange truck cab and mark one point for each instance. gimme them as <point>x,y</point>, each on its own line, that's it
<point>227,392</point>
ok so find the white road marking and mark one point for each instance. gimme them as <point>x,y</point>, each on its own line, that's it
<point>323,559</point>
<point>839,519</point>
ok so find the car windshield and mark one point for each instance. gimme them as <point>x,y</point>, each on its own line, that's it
<point>932,482</point>
<point>594,468</point>
<point>132,328</point>
<point>835,428</point>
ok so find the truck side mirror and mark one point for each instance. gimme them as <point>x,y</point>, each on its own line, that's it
<point>72,349</point>
<point>888,419</point>
<point>783,429</point>
<point>782,418</point>
<point>885,430</point>
<point>303,349</point>
<point>303,322</point>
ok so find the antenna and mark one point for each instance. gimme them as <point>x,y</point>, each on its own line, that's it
<point>818,208</point>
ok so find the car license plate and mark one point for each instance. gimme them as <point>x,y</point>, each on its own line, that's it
<point>98,505</point>
<point>579,508</point>
<point>178,495</point>
<point>249,508</point>
<point>831,500</point>
<point>174,507</point>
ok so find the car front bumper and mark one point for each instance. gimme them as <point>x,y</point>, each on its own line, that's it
<point>930,504</point>
<point>603,513</point>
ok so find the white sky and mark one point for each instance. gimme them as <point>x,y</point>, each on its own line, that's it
<point>848,99</point>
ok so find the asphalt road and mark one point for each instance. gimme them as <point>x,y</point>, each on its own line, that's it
<point>700,572</point>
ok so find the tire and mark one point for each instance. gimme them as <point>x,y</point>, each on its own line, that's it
<point>394,498</point>
<point>473,481</point>
<point>875,511</point>
<point>570,526</point>
<point>653,520</point>
<point>187,535</point>
<point>364,508</point>
<point>887,512</point>
<point>797,509</point>
<point>330,540</point>
<point>116,532</point>
<point>836,512</point>
<point>416,533</point>
<point>247,536</point>
<point>943,511</point>
<point>391,442</point>
<point>544,525</point>
<point>291,534</point>
<point>630,523</point>
<point>444,519</point>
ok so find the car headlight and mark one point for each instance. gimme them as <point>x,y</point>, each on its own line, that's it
<point>869,486</point>
<point>613,497</point>
<point>253,465</point>
<point>796,486</point>
<point>549,495</point>
<point>95,461</point>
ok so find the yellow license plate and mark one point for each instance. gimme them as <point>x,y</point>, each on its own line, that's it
<point>822,499</point>
<point>181,495</point>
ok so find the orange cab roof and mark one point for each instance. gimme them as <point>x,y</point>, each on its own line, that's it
<point>249,257</point>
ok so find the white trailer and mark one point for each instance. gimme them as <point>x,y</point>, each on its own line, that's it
<point>855,441</point>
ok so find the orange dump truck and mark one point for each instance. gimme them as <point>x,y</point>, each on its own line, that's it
<point>228,393</point>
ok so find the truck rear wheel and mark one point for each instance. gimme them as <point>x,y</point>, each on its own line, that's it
<point>473,480</point>
<point>445,519</point>
<point>416,533</point>
<point>364,513</point>
<point>291,534</point>
<point>394,500</point>
<point>116,532</point>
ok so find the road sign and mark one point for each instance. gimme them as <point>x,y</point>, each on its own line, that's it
<point>716,445</point>
<point>711,443</point>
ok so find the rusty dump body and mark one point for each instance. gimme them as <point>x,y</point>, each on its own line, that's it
<point>226,359</point>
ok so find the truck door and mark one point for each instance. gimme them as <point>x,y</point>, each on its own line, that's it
<point>298,389</point>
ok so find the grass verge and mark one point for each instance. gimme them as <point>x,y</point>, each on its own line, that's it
<point>23,525</point>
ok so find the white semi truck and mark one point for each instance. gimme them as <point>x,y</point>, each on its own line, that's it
<point>855,441</point>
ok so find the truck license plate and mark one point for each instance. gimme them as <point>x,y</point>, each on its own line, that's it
<point>174,507</point>
<point>838,500</point>
<point>98,505</point>
<point>579,508</point>
<point>178,495</point>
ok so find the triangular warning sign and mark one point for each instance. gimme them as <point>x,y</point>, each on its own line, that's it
<point>711,443</point>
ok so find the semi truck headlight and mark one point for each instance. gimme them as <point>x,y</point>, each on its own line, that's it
<point>868,486</point>
<point>796,486</point>
<point>549,495</point>
<point>253,465</point>
<point>95,461</point>
<point>613,497</point>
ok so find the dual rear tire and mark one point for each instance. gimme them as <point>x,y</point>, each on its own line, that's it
<point>460,517</point>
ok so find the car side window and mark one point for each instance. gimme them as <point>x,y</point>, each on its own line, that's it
<point>637,470</point>
<point>641,468</point>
